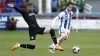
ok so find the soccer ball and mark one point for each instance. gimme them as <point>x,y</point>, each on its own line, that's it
<point>76,49</point>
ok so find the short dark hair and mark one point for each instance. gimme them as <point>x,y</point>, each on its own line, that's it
<point>69,3</point>
<point>29,4</point>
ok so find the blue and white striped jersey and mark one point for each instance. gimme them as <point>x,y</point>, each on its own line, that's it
<point>65,19</point>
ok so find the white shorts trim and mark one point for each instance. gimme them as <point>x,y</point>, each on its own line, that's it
<point>62,30</point>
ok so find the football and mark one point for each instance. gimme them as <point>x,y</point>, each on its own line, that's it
<point>75,49</point>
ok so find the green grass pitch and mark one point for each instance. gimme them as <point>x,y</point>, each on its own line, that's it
<point>88,41</point>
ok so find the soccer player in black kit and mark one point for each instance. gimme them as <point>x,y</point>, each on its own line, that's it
<point>34,29</point>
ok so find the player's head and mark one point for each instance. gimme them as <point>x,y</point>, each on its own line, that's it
<point>69,6</point>
<point>29,6</point>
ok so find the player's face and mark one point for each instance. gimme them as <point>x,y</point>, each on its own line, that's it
<point>29,8</point>
<point>69,8</point>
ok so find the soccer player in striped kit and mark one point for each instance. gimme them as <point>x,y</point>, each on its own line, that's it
<point>64,24</point>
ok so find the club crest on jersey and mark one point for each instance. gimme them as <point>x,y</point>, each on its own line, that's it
<point>30,14</point>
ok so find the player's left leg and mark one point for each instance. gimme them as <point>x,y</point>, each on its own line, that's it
<point>53,36</point>
<point>60,39</point>
<point>63,37</point>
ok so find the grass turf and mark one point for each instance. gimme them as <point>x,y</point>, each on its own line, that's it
<point>88,41</point>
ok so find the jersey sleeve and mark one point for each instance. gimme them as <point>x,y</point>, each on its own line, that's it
<point>19,10</point>
<point>56,18</point>
<point>61,15</point>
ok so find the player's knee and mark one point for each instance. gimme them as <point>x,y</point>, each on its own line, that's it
<point>32,47</point>
<point>64,36</point>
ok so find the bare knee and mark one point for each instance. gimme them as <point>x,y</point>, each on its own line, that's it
<point>64,36</point>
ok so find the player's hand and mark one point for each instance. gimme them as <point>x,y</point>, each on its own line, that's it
<point>40,14</point>
<point>71,29</point>
<point>11,5</point>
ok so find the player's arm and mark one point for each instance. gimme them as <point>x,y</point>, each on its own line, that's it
<point>57,18</point>
<point>71,28</point>
<point>13,6</point>
<point>38,13</point>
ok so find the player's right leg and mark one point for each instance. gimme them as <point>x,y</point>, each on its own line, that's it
<point>59,41</point>
<point>64,36</point>
<point>27,46</point>
<point>53,36</point>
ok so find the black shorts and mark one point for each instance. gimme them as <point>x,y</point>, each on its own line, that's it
<point>34,31</point>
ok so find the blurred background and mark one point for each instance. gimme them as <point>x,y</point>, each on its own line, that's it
<point>85,23</point>
<point>86,13</point>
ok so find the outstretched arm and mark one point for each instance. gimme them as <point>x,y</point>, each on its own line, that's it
<point>54,22</point>
<point>13,6</point>
<point>39,14</point>
<point>56,18</point>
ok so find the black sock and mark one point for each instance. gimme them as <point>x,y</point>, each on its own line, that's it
<point>29,46</point>
<point>53,36</point>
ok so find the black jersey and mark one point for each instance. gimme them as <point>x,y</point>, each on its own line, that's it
<point>29,17</point>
